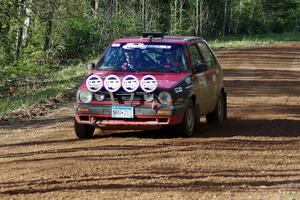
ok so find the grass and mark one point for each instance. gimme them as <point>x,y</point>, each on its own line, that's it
<point>255,40</point>
<point>61,81</point>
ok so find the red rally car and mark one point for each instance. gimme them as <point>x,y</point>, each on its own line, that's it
<point>150,82</point>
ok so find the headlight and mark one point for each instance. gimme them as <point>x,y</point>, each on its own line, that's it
<point>164,97</point>
<point>148,97</point>
<point>85,96</point>
<point>99,97</point>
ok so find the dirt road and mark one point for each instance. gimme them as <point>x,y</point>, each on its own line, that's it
<point>255,155</point>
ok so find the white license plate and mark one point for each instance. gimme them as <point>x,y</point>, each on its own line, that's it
<point>122,112</point>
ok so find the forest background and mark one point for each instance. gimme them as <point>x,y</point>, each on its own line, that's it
<point>42,42</point>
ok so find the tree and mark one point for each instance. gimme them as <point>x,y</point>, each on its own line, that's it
<point>55,31</point>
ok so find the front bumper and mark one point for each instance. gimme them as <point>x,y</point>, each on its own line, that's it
<point>145,116</point>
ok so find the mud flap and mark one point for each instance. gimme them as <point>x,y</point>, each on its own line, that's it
<point>225,104</point>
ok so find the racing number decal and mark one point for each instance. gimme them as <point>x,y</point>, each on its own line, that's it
<point>202,79</point>
<point>210,76</point>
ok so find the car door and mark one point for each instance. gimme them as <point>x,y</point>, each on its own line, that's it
<point>212,75</point>
<point>199,80</point>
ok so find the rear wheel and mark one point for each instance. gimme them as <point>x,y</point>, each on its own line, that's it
<point>83,131</point>
<point>187,126</point>
<point>219,114</point>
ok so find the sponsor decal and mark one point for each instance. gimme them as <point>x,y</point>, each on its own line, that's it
<point>125,98</point>
<point>188,80</point>
<point>116,45</point>
<point>202,79</point>
<point>94,83</point>
<point>144,46</point>
<point>214,78</point>
<point>148,83</point>
<point>134,46</point>
<point>112,83</point>
<point>188,87</point>
<point>178,89</point>
<point>159,46</point>
<point>130,83</point>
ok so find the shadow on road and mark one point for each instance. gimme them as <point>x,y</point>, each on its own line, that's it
<point>233,127</point>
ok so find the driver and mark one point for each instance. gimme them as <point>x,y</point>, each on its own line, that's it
<point>130,60</point>
<point>171,59</point>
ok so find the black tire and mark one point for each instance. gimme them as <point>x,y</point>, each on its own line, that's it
<point>187,127</point>
<point>219,115</point>
<point>83,131</point>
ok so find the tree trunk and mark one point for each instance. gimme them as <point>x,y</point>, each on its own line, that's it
<point>180,15</point>
<point>27,24</point>
<point>94,6</point>
<point>146,15</point>
<point>201,17</point>
<point>229,17</point>
<point>48,32</point>
<point>175,16</point>
<point>238,18</point>
<point>20,31</point>
<point>197,18</point>
<point>224,18</point>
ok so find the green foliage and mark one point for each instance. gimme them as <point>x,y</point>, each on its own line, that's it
<point>252,18</point>
<point>77,35</point>
<point>254,40</point>
<point>68,30</point>
<point>39,38</point>
<point>281,15</point>
<point>60,82</point>
<point>6,29</point>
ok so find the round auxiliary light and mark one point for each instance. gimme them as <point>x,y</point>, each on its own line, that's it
<point>164,97</point>
<point>99,97</point>
<point>148,83</point>
<point>94,83</point>
<point>130,83</point>
<point>112,83</point>
<point>148,97</point>
<point>85,96</point>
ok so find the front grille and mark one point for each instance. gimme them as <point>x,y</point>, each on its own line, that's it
<point>124,97</point>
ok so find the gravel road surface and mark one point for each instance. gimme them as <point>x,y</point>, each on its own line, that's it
<point>255,155</point>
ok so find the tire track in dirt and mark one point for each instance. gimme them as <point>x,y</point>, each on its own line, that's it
<point>255,155</point>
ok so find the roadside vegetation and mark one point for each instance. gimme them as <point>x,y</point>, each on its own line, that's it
<point>23,98</point>
<point>44,44</point>
<point>254,40</point>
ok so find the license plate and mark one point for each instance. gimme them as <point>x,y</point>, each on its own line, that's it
<point>122,112</point>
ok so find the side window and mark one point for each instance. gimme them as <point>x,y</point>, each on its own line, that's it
<point>195,55</point>
<point>208,56</point>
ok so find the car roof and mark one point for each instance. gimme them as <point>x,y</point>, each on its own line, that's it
<point>165,39</point>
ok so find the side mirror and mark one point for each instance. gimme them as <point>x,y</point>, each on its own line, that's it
<point>201,67</point>
<point>90,66</point>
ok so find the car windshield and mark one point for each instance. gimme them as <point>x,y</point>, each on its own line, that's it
<point>144,57</point>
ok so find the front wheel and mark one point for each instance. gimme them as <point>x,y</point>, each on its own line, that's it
<point>219,114</point>
<point>83,131</point>
<point>187,126</point>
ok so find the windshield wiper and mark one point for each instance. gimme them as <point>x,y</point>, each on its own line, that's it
<point>173,69</point>
<point>132,70</point>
